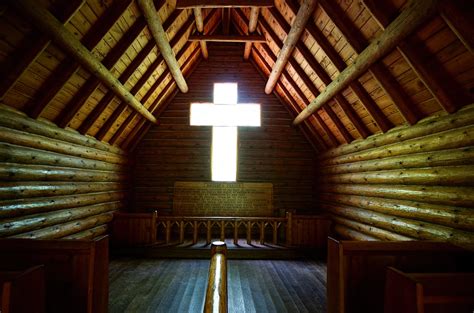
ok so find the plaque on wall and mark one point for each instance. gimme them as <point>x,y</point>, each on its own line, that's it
<point>222,199</point>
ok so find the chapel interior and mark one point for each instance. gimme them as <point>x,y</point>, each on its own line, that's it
<point>236,156</point>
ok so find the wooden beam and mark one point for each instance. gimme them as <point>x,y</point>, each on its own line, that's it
<point>458,15</point>
<point>104,130</point>
<point>415,13</point>
<point>227,38</point>
<point>385,79</point>
<point>445,90</point>
<point>186,4</point>
<point>160,36</point>
<point>32,46</point>
<point>200,29</point>
<point>254,11</point>
<point>337,122</point>
<point>225,21</point>
<point>55,82</point>
<point>304,13</point>
<point>110,60</point>
<point>45,21</point>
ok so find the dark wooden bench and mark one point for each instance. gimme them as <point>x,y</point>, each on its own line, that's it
<point>429,292</point>
<point>22,291</point>
<point>356,270</point>
<point>76,271</point>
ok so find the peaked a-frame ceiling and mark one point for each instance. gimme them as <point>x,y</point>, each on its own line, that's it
<point>354,68</point>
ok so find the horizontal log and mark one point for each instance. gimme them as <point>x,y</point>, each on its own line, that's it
<point>227,38</point>
<point>89,233</point>
<point>62,230</point>
<point>429,126</point>
<point>186,4</point>
<point>456,217</point>
<point>462,175</point>
<point>373,232</point>
<point>39,142</point>
<point>352,234</point>
<point>455,196</point>
<point>15,120</point>
<point>403,226</point>
<point>459,156</point>
<point>22,172</point>
<point>19,225</point>
<point>22,190</point>
<point>18,154</point>
<point>21,207</point>
<point>450,139</point>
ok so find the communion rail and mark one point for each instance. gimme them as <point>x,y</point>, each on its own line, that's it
<point>182,223</point>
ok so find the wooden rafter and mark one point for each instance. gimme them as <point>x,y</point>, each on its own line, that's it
<point>411,17</point>
<point>117,52</point>
<point>186,4</point>
<point>317,68</point>
<point>69,66</point>
<point>227,38</point>
<point>200,29</point>
<point>254,11</point>
<point>226,21</point>
<point>458,15</point>
<point>302,17</point>
<point>309,132</point>
<point>111,59</point>
<point>385,79</point>
<point>45,21</point>
<point>33,45</point>
<point>337,122</point>
<point>161,38</point>
<point>448,94</point>
<point>161,103</point>
<point>118,111</point>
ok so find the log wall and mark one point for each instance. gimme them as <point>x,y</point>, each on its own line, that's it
<point>55,183</point>
<point>410,183</point>
<point>175,151</point>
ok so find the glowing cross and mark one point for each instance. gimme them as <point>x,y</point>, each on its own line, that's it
<point>225,115</point>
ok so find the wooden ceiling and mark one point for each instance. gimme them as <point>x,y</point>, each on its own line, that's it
<point>94,66</point>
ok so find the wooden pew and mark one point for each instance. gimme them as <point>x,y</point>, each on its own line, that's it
<point>76,271</point>
<point>428,292</point>
<point>22,291</point>
<point>356,269</point>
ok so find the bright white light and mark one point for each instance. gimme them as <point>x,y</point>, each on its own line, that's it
<point>209,114</point>
<point>225,93</point>
<point>224,153</point>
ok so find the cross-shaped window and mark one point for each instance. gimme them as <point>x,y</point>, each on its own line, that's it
<point>225,115</point>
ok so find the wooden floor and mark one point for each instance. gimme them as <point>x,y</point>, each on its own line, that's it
<point>164,285</point>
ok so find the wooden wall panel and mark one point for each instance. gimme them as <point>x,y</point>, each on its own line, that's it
<point>174,151</point>
<point>417,182</point>
<point>56,183</point>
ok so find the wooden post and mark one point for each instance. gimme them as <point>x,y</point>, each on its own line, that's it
<point>200,28</point>
<point>168,232</point>
<point>262,232</point>
<point>249,232</point>
<point>289,228</point>
<point>411,18</point>
<point>45,21</point>
<point>304,13</point>
<point>181,231</point>
<point>222,230</point>
<point>159,34</point>
<point>216,294</point>
<point>195,232</point>
<point>236,232</point>
<point>208,235</point>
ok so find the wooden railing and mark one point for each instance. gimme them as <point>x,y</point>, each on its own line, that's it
<point>216,294</point>
<point>182,224</point>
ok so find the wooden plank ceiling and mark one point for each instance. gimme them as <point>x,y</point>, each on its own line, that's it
<point>94,66</point>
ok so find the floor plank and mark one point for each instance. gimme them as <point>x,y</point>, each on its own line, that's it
<point>179,285</point>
